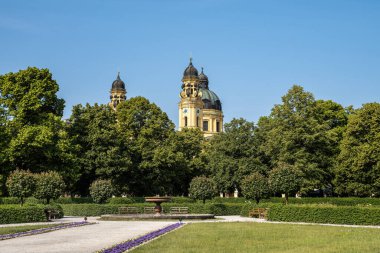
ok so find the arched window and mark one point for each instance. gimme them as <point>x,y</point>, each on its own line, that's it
<point>197,121</point>
<point>185,121</point>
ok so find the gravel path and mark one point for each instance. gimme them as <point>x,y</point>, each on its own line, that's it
<point>86,239</point>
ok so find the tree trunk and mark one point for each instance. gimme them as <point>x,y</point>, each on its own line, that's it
<point>204,201</point>
<point>257,200</point>
<point>286,198</point>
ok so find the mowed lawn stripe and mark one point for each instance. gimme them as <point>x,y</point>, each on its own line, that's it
<point>265,238</point>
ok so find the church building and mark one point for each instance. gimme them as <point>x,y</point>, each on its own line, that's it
<point>199,107</point>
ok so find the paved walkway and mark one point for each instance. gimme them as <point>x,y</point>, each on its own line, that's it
<point>85,239</point>
<point>103,234</point>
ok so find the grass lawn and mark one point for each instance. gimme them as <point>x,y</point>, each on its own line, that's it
<point>17,229</point>
<point>256,237</point>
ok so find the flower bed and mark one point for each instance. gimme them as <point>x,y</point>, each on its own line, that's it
<point>124,246</point>
<point>44,230</point>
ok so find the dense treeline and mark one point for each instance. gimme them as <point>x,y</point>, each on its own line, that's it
<point>334,150</point>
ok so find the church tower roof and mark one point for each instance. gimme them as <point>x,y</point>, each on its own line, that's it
<point>118,84</point>
<point>203,80</point>
<point>190,72</point>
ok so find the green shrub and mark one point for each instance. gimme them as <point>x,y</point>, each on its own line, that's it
<point>49,186</point>
<point>21,214</point>
<point>89,209</point>
<point>329,200</point>
<point>197,208</point>
<point>325,214</point>
<point>54,208</point>
<point>228,200</point>
<point>120,200</point>
<point>255,186</point>
<point>101,190</point>
<point>202,188</point>
<point>21,184</point>
<point>81,200</point>
<point>180,200</point>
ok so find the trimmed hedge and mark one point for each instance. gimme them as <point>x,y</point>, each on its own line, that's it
<point>325,214</point>
<point>100,209</point>
<point>21,214</point>
<point>329,200</point>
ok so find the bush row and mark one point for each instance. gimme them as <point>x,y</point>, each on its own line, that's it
<point>100,209</point>
<point>18,214</point>
<point>325,214</point>
<point>329,200</point>
<point>179,200</point>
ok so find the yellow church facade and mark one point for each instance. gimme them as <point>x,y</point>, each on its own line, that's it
<point>199,106</point>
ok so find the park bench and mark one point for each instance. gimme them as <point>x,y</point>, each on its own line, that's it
<point>52,214</point>
<point>179,210</point>
<point>261,213</point>
<point>149,209</point>
<point>128,210</point>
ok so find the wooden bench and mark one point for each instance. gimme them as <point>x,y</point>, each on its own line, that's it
<point>128,210</point>
<point>52,214</point>
<point>179,210</point>
<point>148,209</point>
<point>261,213</point>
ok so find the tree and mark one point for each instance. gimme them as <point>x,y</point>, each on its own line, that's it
<point>50,185</point>
<point>102,150</point>
<point>144,128</point>
<point>35,137</point>
<point>101,190</point>
<point>303,132</point>
<point>30,96</point>
<point>232,155</point>
<point>202,188</point>
<point>21,184</point>
<point>285,179</point>
<point>255,186</point>
<point>358,167</point>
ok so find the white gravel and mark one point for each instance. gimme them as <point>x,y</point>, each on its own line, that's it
<point>84,239</point>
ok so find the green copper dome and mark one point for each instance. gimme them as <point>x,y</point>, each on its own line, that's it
<point>210,99</point>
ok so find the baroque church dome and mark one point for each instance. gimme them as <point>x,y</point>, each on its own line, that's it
<point>210,99</point>
<point>118,84</point>
<point>203,80</point>
<point>190,71</point>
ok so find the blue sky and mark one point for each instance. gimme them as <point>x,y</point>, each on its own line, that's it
<point>252,51</point>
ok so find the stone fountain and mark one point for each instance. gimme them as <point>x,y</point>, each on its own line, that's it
<point>158,201</point>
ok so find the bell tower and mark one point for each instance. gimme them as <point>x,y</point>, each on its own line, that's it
<point>190,106</point>
<point>118,92</point>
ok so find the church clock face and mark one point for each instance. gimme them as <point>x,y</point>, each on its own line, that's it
<point>198,111</point>
<point>185,111</point>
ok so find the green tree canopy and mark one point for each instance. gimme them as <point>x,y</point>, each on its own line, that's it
<point>286,179</point>
<point>145,128</point>
<point>232,155</point>
<point>49,185</point>
<point>202,188</point>
<point>102,152</point>
<point>303,132</point>
<point>101,190</point>
<point>21,184</point>
<point>358,169</point>
<point>255,186</point>
<point>35,137</point>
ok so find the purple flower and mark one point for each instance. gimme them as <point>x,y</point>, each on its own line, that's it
<point>119,248</point>
<point>43,230</point>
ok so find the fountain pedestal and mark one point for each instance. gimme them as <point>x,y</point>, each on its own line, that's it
<point>158,201</point>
